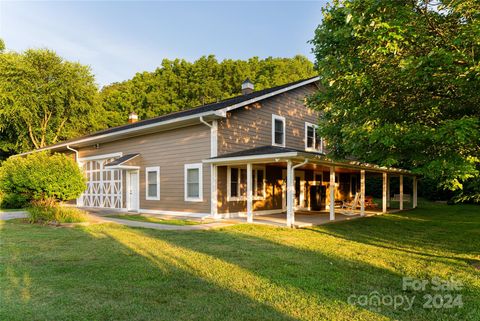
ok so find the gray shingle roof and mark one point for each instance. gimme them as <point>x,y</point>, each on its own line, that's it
<point>197,110</point>
<point>264,150</point>
<point>121,160</point>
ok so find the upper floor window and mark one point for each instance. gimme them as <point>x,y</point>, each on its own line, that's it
<point>278,130</point>
<point>237,183</point>
<point>152,178</point>
<point>312,140</point>
<point>193,182</point>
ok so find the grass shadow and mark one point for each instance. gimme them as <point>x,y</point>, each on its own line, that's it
<point>94,274</point>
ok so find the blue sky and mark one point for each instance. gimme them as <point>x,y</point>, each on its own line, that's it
<point>119,38</point>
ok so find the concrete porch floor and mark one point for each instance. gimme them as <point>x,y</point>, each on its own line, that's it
<point>304,218</point>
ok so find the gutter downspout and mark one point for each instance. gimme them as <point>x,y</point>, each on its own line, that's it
<point>204,122</point>
<point>213,168</point>
<point>299,165</point>
<point>76,153</point>
<point>291,212</point>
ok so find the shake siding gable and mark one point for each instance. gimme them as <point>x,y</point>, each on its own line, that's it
<point>169,150</point>
<point>251,126</point>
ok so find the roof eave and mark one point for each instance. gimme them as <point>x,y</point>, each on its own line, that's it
<point>300,156</point>
<point>132,132</point>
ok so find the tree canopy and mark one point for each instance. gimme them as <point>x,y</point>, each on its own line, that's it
<point>44,99</point>
<point>401,85</point>
<point>179,84</point>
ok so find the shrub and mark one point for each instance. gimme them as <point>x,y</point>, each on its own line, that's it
<point>40,176</point>
<point>49,211</point>
<point>13,201</point>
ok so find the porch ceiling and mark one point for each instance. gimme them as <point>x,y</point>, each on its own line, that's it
<point>278,155</point>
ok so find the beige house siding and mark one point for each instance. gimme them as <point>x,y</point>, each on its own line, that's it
<point>170,150</point>
<point>251,126</point>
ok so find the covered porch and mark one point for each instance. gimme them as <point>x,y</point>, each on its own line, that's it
<point>286,187</point>
<point>301,220</point>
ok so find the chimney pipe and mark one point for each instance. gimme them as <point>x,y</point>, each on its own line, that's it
<point>132,117</point>
<point>247,87</point>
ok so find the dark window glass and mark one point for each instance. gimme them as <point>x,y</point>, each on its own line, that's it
<point>243,182</point>
<point>152,184</point>
<point>193,182</point>
<point>259,189</point>
<point>279,134</point>
<point>310,136</point>
<point>234,182</point>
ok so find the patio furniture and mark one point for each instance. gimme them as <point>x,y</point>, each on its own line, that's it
<point>369,203</point>
<point>396,197</point>
<point>348,208</point>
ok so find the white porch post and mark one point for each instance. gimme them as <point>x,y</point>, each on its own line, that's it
<point>213,191</point>
<point>388,191</point>
<point>401,192</point>
<point>414,205</point>
<point>362,192</point>
<point>249,194</point>
<point>384,194</point>
<point>290,214</point>
<point>332,193</point>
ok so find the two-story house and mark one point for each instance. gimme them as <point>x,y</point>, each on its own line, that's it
<point>258,153</point>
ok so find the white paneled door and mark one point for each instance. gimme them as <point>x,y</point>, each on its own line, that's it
<point>132,191</point>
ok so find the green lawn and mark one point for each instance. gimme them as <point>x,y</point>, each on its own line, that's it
<point>244,272</point>
<point>150,219</point>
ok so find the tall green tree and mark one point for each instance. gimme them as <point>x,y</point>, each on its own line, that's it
<point>44,99</point>
<point>402,85</point>
<point>179,84</point>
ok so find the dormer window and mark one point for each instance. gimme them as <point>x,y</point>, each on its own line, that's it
<point>313,142</point>
<point>278,130</point>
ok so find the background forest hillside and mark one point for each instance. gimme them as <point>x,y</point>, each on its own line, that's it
<point>179,84</point>
<point>45,99</point>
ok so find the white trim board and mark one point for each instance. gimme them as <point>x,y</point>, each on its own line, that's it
<point>284,121</point>
<point>174,213</point>
<point>152,169</point>
<point>145,211</point>
<point>94,157</point>
<point>274,93</point>
<point>312,149</point>
<point>198,166</point>
<point>252,157</point>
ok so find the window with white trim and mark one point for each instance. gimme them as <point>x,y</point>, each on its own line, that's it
<point>313,141</point>
<point>237,183</point>
<point>193,182</point>
<point>278,130</point>
<point>152,183</point>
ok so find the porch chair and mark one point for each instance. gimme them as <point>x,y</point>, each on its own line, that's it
<point>369,203</point>
<point>348,208</point>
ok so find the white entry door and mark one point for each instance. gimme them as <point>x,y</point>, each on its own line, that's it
<point>132,191</point>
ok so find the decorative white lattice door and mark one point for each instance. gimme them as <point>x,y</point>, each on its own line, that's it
<point>104,186</point>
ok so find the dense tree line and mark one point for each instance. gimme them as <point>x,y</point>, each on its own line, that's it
<point>179,84</point>
<point>402,84</point>
<point>45,99</point>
